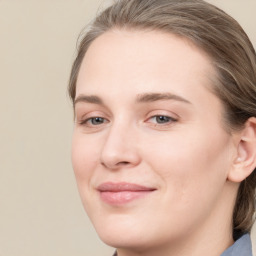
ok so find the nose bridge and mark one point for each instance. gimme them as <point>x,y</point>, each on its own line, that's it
<point>120,147</point>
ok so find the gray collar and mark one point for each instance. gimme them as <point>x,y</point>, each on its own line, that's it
<point>242,247</point>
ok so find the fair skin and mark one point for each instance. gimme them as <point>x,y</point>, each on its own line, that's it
<point>144,115</point>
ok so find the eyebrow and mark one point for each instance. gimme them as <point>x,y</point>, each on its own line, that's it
<point>89,99</point>
<point>141,98</point>
<point>151,97</point>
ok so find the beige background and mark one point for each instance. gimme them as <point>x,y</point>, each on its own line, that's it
<point>40,210</point>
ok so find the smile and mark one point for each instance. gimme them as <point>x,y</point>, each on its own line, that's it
<point>122,193</point>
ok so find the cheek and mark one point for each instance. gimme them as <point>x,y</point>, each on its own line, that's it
<point>185,153</point>
<point>84,161</point>
<point>191,165</point>
<point>193,171</point>
<point>84,158</point>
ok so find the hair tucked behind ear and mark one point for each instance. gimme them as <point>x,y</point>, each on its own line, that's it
<point>213,31</point>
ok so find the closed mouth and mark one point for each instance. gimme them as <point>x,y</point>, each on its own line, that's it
<point>122,192</point>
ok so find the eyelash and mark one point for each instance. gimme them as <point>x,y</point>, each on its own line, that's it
<point>166,120</point>
<point>91,119</point>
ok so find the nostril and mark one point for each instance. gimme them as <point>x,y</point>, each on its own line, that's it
<point>115,165</point>
<point>123,163</point>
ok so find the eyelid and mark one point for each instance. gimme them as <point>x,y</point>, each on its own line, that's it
<point>169,114</point>
<point>86,121</point>
<point>173,118</point>
<point>83,118</point>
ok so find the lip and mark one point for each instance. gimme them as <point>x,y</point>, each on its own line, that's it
<point>122,192</point>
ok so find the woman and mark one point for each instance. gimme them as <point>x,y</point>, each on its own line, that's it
<point>164,144</point>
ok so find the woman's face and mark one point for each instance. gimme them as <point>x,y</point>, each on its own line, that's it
<point>150,154</point>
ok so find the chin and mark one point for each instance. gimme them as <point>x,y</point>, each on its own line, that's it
<point>137,234</point>
<point>128,240</point>
<point>122,232</point>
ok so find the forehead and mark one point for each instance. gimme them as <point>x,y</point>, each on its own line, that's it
<point>123,60</point>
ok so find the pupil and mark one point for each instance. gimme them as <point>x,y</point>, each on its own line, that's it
<point>97,120</point>
<point>162,119</point>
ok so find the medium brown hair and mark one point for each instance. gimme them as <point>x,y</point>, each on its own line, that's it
<point>217,34</point>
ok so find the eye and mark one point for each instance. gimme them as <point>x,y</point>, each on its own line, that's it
<point>161,119</point>
<point>94,121</point>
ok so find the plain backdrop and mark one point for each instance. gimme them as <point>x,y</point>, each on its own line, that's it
<point>40,209</point>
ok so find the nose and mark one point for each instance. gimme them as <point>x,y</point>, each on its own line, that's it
<point>120,148</point>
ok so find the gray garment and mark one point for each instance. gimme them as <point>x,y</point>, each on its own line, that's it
<point>242,247</point>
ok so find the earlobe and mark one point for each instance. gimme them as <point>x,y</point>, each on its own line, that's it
<point>245,161</point>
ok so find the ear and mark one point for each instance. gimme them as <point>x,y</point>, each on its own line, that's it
<point>245,160</point>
